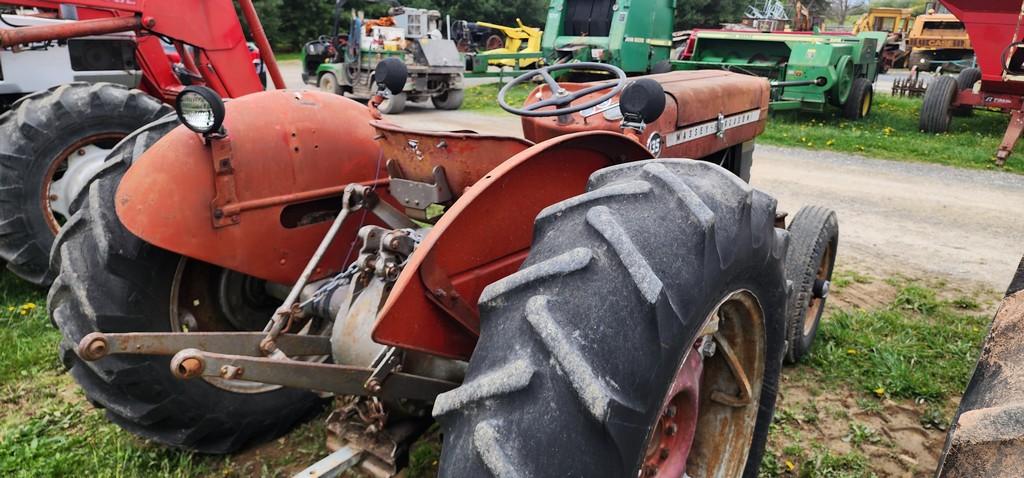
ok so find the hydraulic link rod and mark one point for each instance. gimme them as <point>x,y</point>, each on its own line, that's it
<point>337,379</point>
<point>63,31</point>
<point>97,345</point>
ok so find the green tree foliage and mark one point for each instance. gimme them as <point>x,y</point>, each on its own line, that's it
<point>708,13</point>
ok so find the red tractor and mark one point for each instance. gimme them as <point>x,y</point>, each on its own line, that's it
<point>564,305</point>
<point>53,141</point>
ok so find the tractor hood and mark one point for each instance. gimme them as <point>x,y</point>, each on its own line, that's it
<point>289,156</point>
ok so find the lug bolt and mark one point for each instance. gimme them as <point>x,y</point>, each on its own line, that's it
<point>671,429</point>
<point>663,454</point>
<point>670,411</point>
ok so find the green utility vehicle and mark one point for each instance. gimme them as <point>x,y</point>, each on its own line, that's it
<point>808,71</point>
<point>345,64</point>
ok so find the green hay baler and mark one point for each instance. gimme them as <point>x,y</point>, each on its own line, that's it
<point>808,71</point>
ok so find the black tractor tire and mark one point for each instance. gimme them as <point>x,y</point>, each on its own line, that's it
<point>859,102</point>
<point>937,107</point>
<point>578,348</point>
<point>41,131</point>
<point>393,105</point>
<point>111,281</point>
<point>965,81</point>
<point>814,240</point>
<point>449,100</point>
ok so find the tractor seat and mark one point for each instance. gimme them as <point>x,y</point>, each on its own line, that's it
<point>465,156</point>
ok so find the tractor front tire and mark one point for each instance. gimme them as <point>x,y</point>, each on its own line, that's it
<point>111,281</point>
<point>858,103</point>
<point>393,105</point>
<point>449,100</point>
<point>936,110</point>
<point>814,240</point>
<point>38,138</point>
<point>579,348</point>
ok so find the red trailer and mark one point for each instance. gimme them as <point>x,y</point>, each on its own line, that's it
<point>994,27</point>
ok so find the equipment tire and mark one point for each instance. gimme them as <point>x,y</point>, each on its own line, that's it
<point>578,348</point>
<point>814,239</point>
<point>393,105</point>
<point>936,110</point>
<point>111,281</point>
<point>39,135</point>
<point>965,81</point>
<point>329,84</point>
<point>861,98</point>
<point>449,100</point>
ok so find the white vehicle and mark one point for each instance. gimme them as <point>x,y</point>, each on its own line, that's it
<point>41,66</point>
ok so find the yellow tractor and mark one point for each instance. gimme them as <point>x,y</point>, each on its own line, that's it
<point>521,39</point>
<point>894,21</point>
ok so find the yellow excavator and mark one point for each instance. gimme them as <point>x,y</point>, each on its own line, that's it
<point>521,39</point>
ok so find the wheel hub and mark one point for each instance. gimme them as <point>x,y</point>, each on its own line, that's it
<point>70,174</point>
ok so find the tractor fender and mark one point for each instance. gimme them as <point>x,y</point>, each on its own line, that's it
<point>261,200</point>
<point>484,236</point>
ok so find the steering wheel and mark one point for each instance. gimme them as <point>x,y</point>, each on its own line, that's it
<point>560,96</point>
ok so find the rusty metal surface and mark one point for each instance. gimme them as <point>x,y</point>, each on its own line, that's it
<point>465,157</point>
<point>32,34</point>
<point>98,345</point>
<point>694,98</point>
<point>987,436</point>
<point>487,234</point>
<point>301,156</point>
<point>338,379</point>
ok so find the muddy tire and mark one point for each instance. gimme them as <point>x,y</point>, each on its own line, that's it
<point>936,110</point>
<point>329,84</point>
<point>858,103</point>
<point>814,240</point>
<point>449,100</point>
<point>111,281</point>
<point>38,137</point>
<point>965,81</point>
<point>578,348</point>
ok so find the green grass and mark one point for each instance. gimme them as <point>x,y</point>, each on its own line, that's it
<point>483,98</point>
<point>289,56</point>
<point>891,132</point>
<point>918,347</point>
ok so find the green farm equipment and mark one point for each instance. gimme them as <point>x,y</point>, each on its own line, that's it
<point>633,35</point>
<point>807,71</point>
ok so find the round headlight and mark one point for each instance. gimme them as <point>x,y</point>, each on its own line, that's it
<point>200,109</point>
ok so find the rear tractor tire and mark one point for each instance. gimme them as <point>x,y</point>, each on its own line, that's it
<point>449,100</point>
<point>594,359</point>
<point>814,240</point>
<point>937,108</point>
<point>111,281</point>
<point>51,143</point>
<point>858,103</point>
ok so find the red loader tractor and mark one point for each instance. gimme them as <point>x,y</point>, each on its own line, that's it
<point>53,141</point>
<point>568,304</point>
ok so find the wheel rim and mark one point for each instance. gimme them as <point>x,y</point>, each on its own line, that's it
<point>70,172</point>
<point>865,105</point>
<point>819,292</point>
<point>207,298</point>
<point>706,423</point>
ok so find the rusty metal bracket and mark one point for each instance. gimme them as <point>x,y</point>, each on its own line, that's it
<point>441,292</point>
<point>337,379</point>
<point>223,182</point>
<point>415,196</point>
<point>389,360</point>
<point>97,345</point>
<point>745,395</point>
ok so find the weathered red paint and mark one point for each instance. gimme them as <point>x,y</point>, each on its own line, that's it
<point>101,26</point>
<point>303,154</point>
<point>487,233</point>
<point>688,93</point>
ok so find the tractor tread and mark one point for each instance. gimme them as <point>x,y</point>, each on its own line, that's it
<point>36,131</point>
<point>936,109</point>
<point>812,230</point>
<point>609,276</point>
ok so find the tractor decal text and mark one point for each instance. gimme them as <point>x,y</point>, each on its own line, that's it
<point>718,127</point>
